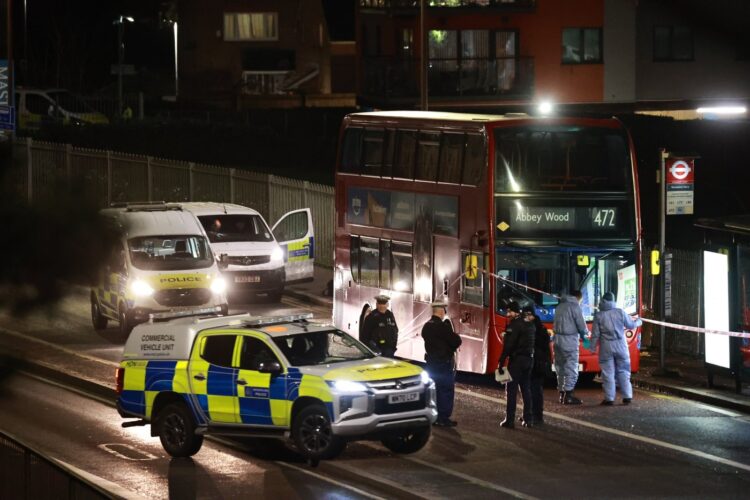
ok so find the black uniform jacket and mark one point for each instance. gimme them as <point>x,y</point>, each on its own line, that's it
<point>440,341</point>
<point>380,330</point>
<point>519,340</point>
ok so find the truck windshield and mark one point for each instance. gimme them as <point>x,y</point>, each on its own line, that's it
<point>233,228</point>
<point>321,348</point>
<point>161,253</point>
<point>538,278</point>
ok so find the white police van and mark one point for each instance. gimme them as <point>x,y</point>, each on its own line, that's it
<point>252,257</point>
<point>161,262</point>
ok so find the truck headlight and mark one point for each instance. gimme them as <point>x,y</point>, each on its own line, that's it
<point>141,289</point>
<point>277,255</point>
<point>218,285</point>
<point>348,386</point>
<point>425,377</point>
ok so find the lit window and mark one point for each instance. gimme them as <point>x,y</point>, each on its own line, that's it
<point>582,45</point>
<point>252,26</point>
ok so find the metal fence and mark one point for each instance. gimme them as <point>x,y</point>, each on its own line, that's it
<point>41,170</point>
<point>27,474</point>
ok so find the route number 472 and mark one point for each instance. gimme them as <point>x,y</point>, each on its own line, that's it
<point>604,217</point>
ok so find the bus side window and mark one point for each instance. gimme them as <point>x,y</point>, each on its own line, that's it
<point>406,152</point>
<point>475,160</point>
<point>372,157</point>
<point>451,158</point>
<point>354,257</point>
<point>427,156</point>
<point>351,151</point>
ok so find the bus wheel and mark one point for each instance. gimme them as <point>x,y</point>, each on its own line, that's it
<point>409,441</point>
<point>126,326</point>
<point>97,318</point>
<point>176,429</point>
<point>313,435</point>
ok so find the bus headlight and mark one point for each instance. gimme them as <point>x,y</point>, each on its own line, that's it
<point>141,289</point>
<point>218,285</point>
<point>277,255</point>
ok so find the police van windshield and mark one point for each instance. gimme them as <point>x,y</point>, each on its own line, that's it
<point>232,228</point>
<point>538,278</point>
<point>161,253</point>
<point>321,348</point>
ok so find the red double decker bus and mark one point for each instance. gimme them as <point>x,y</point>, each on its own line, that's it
<point>483,210</point>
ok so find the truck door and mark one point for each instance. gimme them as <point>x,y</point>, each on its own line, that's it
<point>295,233</point>
<point>261,396</point>
<point>212,379</point>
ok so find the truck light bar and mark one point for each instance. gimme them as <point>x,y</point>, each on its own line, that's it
<point>145,206</point>
<point>166,316</point>
<point>271,320</point>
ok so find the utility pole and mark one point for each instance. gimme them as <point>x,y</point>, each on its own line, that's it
<point>663,155</point>
<point>120,22</point>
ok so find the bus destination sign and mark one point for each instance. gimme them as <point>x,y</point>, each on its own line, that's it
<point>529,219</point>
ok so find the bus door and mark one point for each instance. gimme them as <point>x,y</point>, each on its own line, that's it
<point>295,233</point>
<point>473,316</point>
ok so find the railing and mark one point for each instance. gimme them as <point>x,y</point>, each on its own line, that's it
<point>42,169</point>
<point>446,4</point>
<point>511,77</point>
<point>25,473</point>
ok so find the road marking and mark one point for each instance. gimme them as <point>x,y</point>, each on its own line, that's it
<point>616,432</point>
<point>332,481</point>
<point>59,348</point>
<point>371,477</point>
<point>108,447</point>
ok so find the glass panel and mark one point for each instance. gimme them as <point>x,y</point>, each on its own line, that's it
<point>451,158</point>
<point>402,269</point>
<point>427,157</point>
<point>471,289</point>
<point>385,264</point>
<point>369,251</point>
<point>571,45</point>
<point>561,159</point>
<point>292,227</point>
<point>254,353</point>
<point>250,26</point>
<point>351,151</point>
<point>682,43</point>
<point>475,161</point>
<point>388,150</point>
<point>321,348</point>
<point>505,54</point>
<point>406,45</point>
<point>229,228</point>
<point>405,154</point>
<point>443,65</point>
<point>219,349</point>
<point>662,44</point>
<point>354,258</point>
<point>172,252</point>
<point>373,152</point>
<point>592,45</point>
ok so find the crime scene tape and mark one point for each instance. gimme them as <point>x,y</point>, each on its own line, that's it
<point>696,329</point>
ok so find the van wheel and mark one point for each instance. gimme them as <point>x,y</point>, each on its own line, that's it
<point>409,441</point>
<point>126,325</point>
<point>313,436</point>
<point>176,429</point>
<point>97,318</point>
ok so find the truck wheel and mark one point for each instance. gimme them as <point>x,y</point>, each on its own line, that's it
<point>97,318</point>
<point>409,441</point>
<point>313,436</point>
<point>126,325</point>
<point>176,429</point>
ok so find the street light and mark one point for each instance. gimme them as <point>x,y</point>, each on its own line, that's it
<point>120,23</point>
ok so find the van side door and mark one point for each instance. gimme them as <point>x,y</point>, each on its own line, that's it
<point>295,233</point>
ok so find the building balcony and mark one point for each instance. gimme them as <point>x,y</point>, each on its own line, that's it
<point>444,6</point>
<point>390,80</point>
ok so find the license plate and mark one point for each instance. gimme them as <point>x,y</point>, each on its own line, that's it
<point>580,367</point>
<point>403,398</point>
<point>247,279</point>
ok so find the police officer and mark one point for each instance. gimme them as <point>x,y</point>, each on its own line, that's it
<point>541,365</point>
<point>518,345</point>
<point>440,344</point>
<point>614,356</point>
<point>569,326</point>
<point>380,331</point>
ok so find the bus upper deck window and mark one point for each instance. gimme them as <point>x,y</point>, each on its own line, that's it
<point>351,151</point>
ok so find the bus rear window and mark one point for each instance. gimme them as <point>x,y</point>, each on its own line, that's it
<point>561,158</point>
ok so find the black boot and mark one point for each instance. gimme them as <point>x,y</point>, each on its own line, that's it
<point>508,423</point>
<point>570,399</point>
<point>562,396</point>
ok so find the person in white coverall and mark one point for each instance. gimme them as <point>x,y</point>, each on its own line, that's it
<point>614,357</point>
<point>569,327</point>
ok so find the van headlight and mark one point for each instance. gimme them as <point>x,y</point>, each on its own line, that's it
<point>141,289</point>
<point>277,255</point>
<point>347,386</point>
<point>218,285</point>
<point>425,377</point>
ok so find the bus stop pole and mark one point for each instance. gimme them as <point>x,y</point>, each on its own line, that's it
<point>663,155</point>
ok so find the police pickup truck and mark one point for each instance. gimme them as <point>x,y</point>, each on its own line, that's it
<point>269,377</point>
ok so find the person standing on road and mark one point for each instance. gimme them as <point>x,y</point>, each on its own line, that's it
<point>366,310</point>
<point>440,344</point>
<point>614,357</point>
<point>541,365</point>
<point>518,346</point>
<point>569,326</point>
<point>380,331</point>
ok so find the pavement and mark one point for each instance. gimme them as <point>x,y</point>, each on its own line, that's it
<point>688,378</point>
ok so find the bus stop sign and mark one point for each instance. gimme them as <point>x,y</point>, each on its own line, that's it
<point>680,185</point>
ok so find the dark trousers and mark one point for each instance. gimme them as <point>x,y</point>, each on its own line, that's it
<point>520,371</point>
<point>445,384</point>
<point>537,396</point>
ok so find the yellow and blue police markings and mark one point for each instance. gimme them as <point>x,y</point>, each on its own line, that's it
<point>301,250</point>
<point>114,288</point>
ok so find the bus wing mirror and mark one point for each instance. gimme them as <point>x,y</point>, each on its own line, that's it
<point>655,263</point>
<point>471,267</point>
